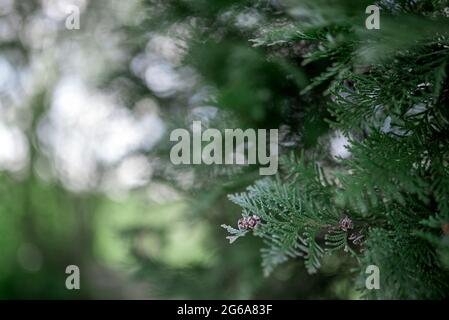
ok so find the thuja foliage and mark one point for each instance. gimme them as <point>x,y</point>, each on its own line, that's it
<point>387,92</point>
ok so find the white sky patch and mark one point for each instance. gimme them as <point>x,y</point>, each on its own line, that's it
<point>160,66</point>
<point>133,172</point>
<point>13,149</point>
<point>85,130</point>
<point>338,144</point>
<point>162,78</point>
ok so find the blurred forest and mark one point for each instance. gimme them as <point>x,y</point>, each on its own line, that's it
<point>85,118</point>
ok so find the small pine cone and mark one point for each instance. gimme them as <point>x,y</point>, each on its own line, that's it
<point>346,224</point>
<point>242,223</point>
<point>249,222</point>
<point>253,221</point>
